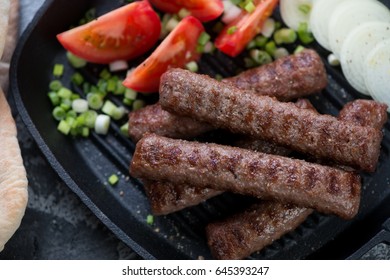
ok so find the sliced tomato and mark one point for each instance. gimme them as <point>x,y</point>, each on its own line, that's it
<point>121,34</point>
<point>204,10</point>
<point>236,35</point>
<point>177,49</point>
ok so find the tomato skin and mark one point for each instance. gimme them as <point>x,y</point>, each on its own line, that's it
<point>204,10</point>
<point>248,26</point>
<point>121,34</point>
<point>177,49</point>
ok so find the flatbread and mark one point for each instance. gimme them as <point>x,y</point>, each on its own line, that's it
<point>10,41</point>
<point>4,14</point>
<point>13,179</point>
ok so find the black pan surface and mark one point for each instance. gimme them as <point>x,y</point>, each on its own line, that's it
<point>85,164</point>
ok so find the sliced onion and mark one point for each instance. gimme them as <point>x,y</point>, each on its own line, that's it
<point>319,20</point>
<point>231,12</point>
<point>349,15</point>
<point>377,72</point>
<point>292,15</point>
<point>355,49</point>
<point>119,65</point>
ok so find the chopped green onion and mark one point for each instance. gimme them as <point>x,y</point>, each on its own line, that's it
<point>150,220</point>
<point>280,52</point>
<point>183,13</point>
<point>304,34</point>
<point>58,70</point>
<point>55,85</point>
<point>120,88</point>
<point>66,105</point>
<point>71,114</point>
<point>102,86</point>
<point>102,124</point>
<point>105,74</point>
<point>125,129</point>
<point>299,49</point>
<point>192,66</point>
<point>251,45</point>
<point>70,120</point>
<point>278,25</point>
<point>80,105</point>
<point>113,111</point>
<point>231,30</point>
<point>64,127</point>
<point>203,38</point>
<point>333,60</point>
<point>74,96</point>
<point>90,118</point>
<point>305,8</point>
<point>270,48</point>
<point>111,85</point>
<point>127,101</point>
<point>85,131</point>
<point>171,24</point>
<point>250,7</point>
<point>260,57</point>
<point>199,48</point>
<point>285,36</point>
<point>261,41</point>
<point>77,79</point>
<point>75,61</point>
<point>59,113</point>
<point>109,108</point>
<point>236,2</point>
<point>95,101</point>
<point>113,179</point>
<point>268,28</point>
<point>138,104</point>
<point>131,94</point>
<point>65,93</point>
<point>54,98</point>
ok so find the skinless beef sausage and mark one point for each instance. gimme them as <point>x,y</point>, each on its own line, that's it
<point>287,78</point>
<point>326,189</point>
<point>225,106</point>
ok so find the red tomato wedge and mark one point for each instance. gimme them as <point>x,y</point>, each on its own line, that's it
<point>204,10</point>
<point>121,34</point>
<point>236,35</point>
<point>177,49</point>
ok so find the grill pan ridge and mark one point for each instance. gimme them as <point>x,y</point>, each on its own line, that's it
<point>85,164</point>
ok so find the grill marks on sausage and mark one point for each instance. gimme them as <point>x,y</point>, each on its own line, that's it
<point>246,172</point>
<point>307,76</point>
<point>322,136</point>
<point>287,78</point>
<point>240,235</point>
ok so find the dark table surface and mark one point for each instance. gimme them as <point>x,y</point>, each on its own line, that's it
<point>57,225</point>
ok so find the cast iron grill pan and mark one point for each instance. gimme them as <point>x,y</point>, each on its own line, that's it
<point>85,164</point>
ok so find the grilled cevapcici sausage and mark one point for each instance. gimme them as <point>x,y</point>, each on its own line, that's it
<point>287,78</point>
<point>326,189</point>
<point>225,106</point>
<point>239,236</point>
<point>251,230</point>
